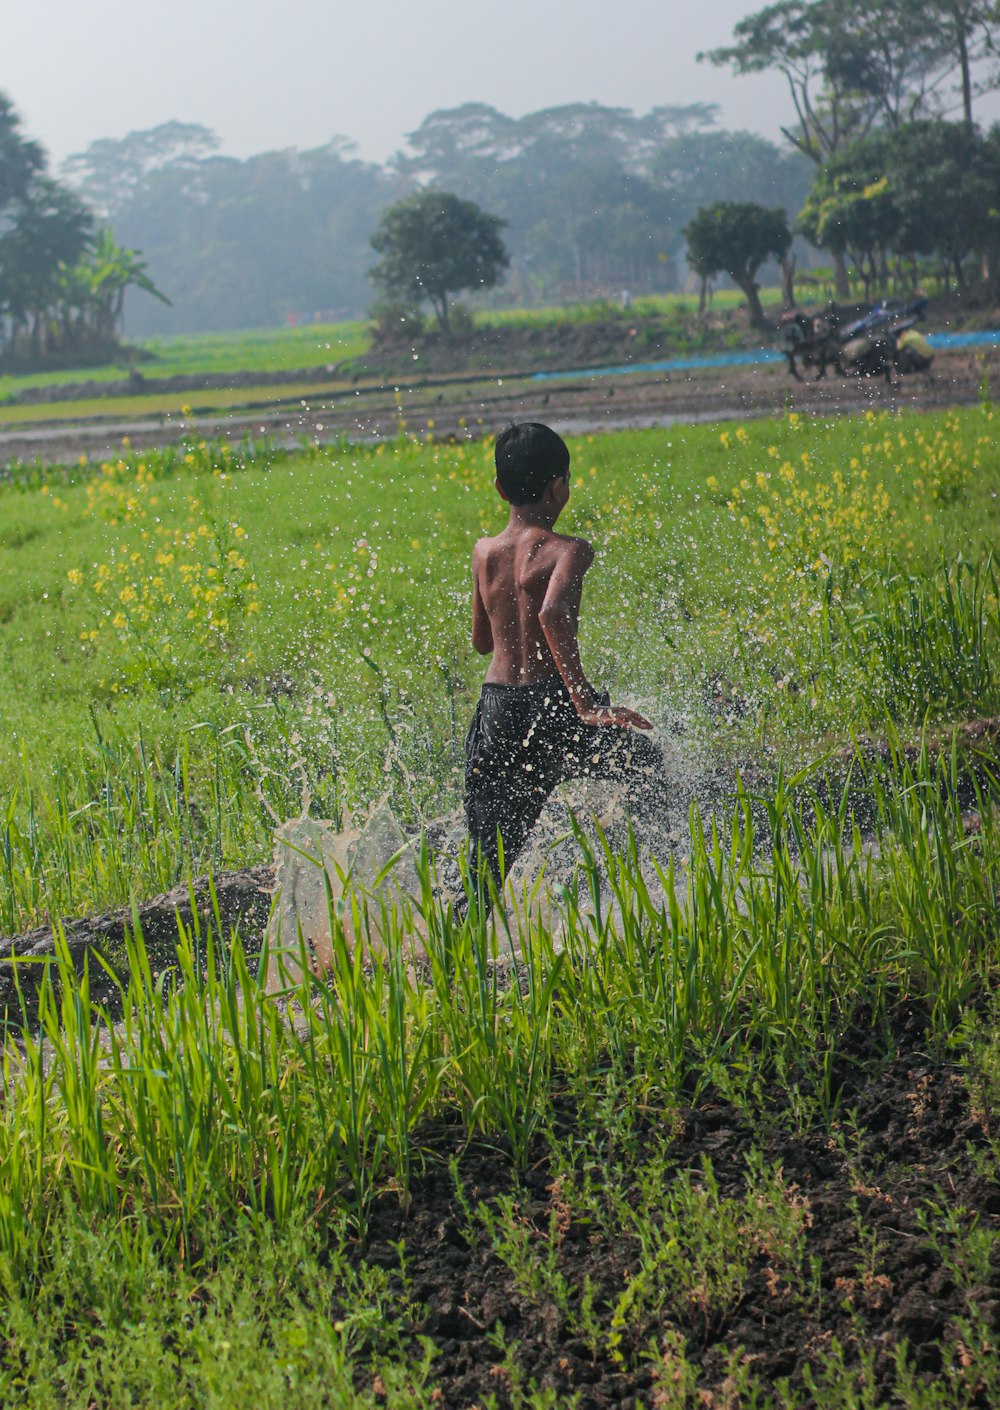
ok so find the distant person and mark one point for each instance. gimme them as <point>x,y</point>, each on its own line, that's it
<point>539,721</point>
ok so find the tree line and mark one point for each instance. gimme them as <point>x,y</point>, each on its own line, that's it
<point>883,97</point>
<point>594,199</point>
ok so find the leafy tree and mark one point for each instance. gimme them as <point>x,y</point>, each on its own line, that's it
<point>800,39</point>
<point>61,289</point>
<point>852,209</point>
<point>111,271</point>
<point>735,238</point>
<point>926,188</point>
<point>20,159</point>
<point>854,65</point>
<point>945,182</point>
<point>49,229</point>
<point>433,245</point>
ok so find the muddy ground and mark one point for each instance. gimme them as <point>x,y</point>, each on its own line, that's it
<point>472,406</point>
<point>905,1136</point>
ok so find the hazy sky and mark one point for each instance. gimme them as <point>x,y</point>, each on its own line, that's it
<point>264,74</point>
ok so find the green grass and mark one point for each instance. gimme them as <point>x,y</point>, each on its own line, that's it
<point>161,404</point>
<point>307,631</point>
<point>665,306</point>
<point>195,642</point>
<point>261,350</point>
<point>203,1135</point>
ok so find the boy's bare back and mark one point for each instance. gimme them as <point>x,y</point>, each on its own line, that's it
<point>527,588</point>
<point>513,575</point>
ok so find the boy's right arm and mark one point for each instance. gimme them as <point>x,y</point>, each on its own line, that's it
<point>482,632</point>
<point>559,617</point>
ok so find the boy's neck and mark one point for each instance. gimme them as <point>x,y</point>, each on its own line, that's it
<point>533,516</point>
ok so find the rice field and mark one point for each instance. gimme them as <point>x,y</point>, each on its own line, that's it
<point>229,1195</point>
<point>316,344</point>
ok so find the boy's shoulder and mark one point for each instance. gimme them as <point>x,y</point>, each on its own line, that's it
<point>581,549</point>
<point>556,546</point>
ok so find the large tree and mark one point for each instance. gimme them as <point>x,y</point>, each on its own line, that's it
<point>851,208</point>
<point>945,180</point>
<point>434,245</point>
<point>48,231</point>
<point>928,188</point>
<point>735,238</point>
<point>854,65</point>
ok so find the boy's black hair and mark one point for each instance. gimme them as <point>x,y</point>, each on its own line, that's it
<point>529,456</point>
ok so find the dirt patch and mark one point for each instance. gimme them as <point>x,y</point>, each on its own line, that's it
<point>494,347</point>
<point>906,1138</point>
<point>241,899</point>
<point>457,408</point>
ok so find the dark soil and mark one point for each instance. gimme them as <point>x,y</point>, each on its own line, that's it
<point>912,1139</point>
<point>494,347</point>
<point>241,900</point>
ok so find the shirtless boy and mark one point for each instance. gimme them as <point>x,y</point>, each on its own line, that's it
<point>539,721</point>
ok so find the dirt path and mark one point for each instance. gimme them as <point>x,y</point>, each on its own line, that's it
<point>460,407</point>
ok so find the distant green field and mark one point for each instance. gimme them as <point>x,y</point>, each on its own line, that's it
<point>260,350</point>
<point>278,349</point>
<point>163,404</point>
<point>645,306</point>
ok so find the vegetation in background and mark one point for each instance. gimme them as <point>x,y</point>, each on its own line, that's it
<point>62,287</point>
<point>858,66</point>
<point>735,239</point>
<point>434,245</point>
<point>919,189</point>
<point>610,219</point>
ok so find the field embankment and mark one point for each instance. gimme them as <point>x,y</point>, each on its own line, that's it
<point>467,406</point>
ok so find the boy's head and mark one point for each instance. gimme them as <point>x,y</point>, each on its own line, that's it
<point>529,456</point>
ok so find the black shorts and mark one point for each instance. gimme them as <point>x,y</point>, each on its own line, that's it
<point>524,740</point>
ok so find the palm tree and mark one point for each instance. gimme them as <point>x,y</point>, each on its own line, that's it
<point>113,269</point>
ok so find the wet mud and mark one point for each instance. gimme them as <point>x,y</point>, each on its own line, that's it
<point>459,407</point>
<point>231,900</point>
